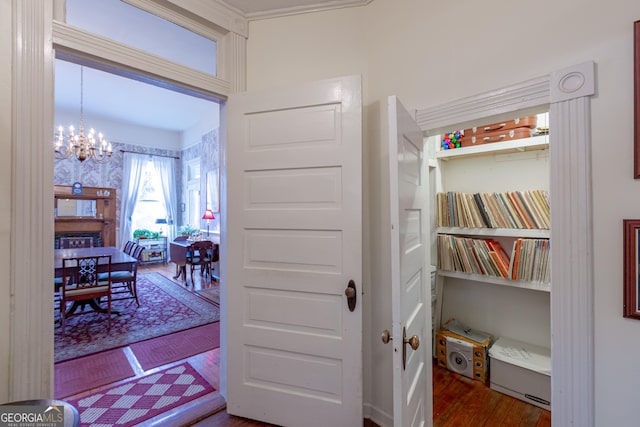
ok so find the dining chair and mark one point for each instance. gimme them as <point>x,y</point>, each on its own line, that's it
<point>200,254</point>
<point>128,247</point>
<point>124,282</point>
<point>84,284</point>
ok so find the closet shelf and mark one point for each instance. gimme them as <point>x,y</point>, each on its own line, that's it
<point>540,142</point>
<point>495,232</point>
<point>534,286</point>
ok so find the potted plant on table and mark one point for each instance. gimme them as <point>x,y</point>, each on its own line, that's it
<point>141,233</point>
<point>186,230</point>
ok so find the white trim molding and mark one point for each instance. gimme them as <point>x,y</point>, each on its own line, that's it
<point>567,92</point>
<point>123,60</point>
<point>215,12</point>
<point>34,35</point>
<point>572,282</point>
<point>318,6</point>
<point>31,275</point>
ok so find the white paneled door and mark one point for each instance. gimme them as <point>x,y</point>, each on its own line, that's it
<point>410,275</point>
<point>294,243</point>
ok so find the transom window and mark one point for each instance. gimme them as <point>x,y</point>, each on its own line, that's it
<point>135,27</point>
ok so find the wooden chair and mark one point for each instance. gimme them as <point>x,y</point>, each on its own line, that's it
<point>84,285</point>
<point>127,249</point>
<point>124,282</point>
<point>200,254</point>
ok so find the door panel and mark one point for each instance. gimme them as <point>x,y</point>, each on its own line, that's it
<point>411,308</point>
<point>294,350</point>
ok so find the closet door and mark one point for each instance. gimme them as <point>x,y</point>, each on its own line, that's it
<point>410,272</point>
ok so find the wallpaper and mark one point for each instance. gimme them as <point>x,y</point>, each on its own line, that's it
<point>109,174</point>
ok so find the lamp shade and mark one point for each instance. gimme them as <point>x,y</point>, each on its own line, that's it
<point>208,214</point>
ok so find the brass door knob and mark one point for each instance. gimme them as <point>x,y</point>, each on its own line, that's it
<point>414,342</point>
<point>386,336</point>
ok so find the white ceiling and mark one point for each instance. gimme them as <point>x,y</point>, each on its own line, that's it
<point>121,99</point>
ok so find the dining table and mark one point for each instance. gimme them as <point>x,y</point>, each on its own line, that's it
<point>178,254</point>
<point>120,260</point>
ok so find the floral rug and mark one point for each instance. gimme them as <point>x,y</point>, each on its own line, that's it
<point>165,307</point>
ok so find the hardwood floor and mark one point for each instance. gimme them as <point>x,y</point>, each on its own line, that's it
<point>458,401</point>
<point>461,401</point>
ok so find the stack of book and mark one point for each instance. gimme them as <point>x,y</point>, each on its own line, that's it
<point>477,256</point>
<point>515,209</point>
<point>529,260</point>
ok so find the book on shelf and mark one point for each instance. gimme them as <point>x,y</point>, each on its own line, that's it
<point>510,211</point>
<point>496,219</point>
<point>521,211</point>
<point>469,255</point>
<point>516,209</point>
<point>533,210</point>
<point>483,210</point>
<point>529,260</point>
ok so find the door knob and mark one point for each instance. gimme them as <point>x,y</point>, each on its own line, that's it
<point>414,343</point>
<point>386,336</point>
<point>350,292</point>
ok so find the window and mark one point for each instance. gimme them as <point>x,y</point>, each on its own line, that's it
<point>127,24</point>
<point>193,193</point>
<point>150,206</point>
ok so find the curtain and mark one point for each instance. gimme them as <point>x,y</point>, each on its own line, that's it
<point>131,181</point>
<point>165,166</point>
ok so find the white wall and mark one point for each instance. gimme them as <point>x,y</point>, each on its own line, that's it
<point>125,133</point>
<point>432,52</point>
<point>209,121</point>
<point>5,191</point>
<point>128,133</point>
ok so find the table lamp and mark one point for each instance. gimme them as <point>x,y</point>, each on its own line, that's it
<point>208,215</point>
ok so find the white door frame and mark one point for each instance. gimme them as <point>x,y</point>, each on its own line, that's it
<point>567,93</point>
<point>30,328</point>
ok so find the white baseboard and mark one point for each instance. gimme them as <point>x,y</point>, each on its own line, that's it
<point>377,416</point>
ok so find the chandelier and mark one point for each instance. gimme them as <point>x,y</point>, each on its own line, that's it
<point>89,146</point>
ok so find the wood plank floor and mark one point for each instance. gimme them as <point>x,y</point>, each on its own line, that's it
<point>458,401</point>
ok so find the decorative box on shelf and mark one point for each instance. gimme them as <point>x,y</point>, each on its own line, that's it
<point>155,249</point>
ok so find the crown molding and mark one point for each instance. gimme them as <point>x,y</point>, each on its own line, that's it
<point>216,12</point>
<point>204,27</point>
<point>296,10</point>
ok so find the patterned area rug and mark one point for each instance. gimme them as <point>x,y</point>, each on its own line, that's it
<point>137,400</point>
<point>165,307</point>
<point>212,294</point>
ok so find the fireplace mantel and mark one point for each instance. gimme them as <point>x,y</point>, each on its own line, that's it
<point>100,221</point>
